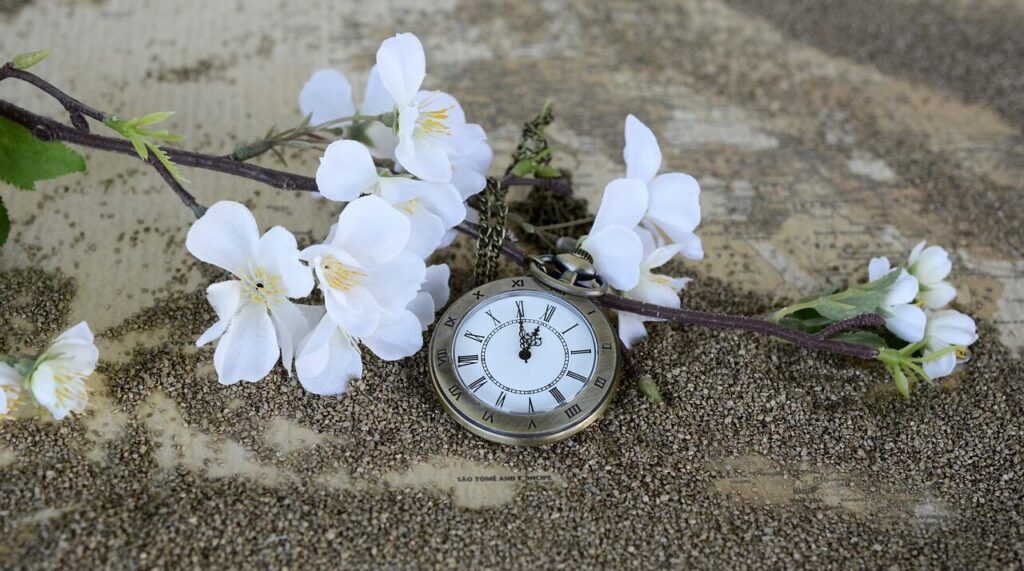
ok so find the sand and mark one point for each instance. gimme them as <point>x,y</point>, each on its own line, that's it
<point>761,455</point>
<point>821,133</point>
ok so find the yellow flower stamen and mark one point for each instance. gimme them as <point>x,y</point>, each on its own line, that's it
<point>436,122</point>
<point>339,276</point>
<point>410,207</point>
<point>262,287</point>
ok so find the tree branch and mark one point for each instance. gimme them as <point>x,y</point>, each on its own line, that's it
<point>50,130</point>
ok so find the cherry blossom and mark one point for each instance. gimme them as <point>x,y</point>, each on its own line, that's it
<point>10,389</point>
<point>947,334</point>
<point>430,126</point>
<point>347,172</point>
<point>653,288</point>
<point>613,241</point>
<point>257,323</point>
<point>672,200</point>
<point>57,379</point>
<point>368,279</point>
<point>902,317</point>
<point>931,265</point>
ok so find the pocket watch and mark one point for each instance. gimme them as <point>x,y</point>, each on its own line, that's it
<point>528,360</point>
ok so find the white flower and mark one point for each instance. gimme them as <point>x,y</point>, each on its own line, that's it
<point>430,125</point>
<point>613,241</point>
<point>368,280</point>
<point>653,288</point>
<point>671,200</point>
<point>902,317</point>
<point>327,96</point>
<point>931,266</point>
<point>256,321</point>
<point>57,380</point>
<point>433,294</point>
<point>347,172</point>
<point>364,270</point>
<point>10,389</point>
<point>946,329</point>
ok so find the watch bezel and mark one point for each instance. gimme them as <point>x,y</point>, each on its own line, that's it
<point>514,428</point>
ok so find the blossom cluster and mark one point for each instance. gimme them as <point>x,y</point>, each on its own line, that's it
<point>916,311</point>
<point>55,380</point>
<point>645,220</point>
<point>378,291</point>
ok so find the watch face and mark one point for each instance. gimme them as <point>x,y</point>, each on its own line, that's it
<point>521,364</point>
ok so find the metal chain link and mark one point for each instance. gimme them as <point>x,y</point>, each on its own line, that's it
<point>493,210</point>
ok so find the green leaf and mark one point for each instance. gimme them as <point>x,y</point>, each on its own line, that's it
<point>5,223</point>
<point>29,59</point>
<point>142,139</point>
<point>837,310</point>
<point>24,159</point>
<point>153,118</point>
<point>548,171</point>
<point>167,162</point>
<point>523,168</point>
<point>861,338</point>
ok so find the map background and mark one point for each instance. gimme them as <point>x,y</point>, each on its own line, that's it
<point>822,134</point>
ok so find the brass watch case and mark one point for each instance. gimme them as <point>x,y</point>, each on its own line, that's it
<point>515,428</point>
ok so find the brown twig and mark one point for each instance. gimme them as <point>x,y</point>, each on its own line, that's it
<point>862,321</point>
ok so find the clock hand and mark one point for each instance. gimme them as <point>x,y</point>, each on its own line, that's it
<point>524,343</point>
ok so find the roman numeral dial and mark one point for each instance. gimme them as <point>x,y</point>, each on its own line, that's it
<point>525,352</point>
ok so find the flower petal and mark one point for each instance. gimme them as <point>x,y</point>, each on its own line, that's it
<point>402,66</point>
<point>326,96</point>
<point>396,337</point>
<point>225,297</point>
<point>423,157</point>
<point>395,282</point>
<point>932,265</point>
<point>346,171</point>
<point>903,291</point>
<point>371,230</point>
<point>623,204</point>
<point>641,152</point>
<point>653,288</point>
<point>464,138</point>
<point>327,360</point>
<point>940,366</point>
<point>617,255</point>
<point>906,322</point>
<point>277,253</point>
<point>435,283</point>
<point>291,327</point>
<point>248,350</point>
<point>225,236</point>
<point>10,377</point>
<point>376,99</point>
<point>71,397</point>
<point>631,328</point>
<point>661,256</point>
<point>937,295</point>
<point>878,268</point>
<point>442,199</point>
<point>469,172</point>
<point>950,327</point>
<point>426,232</point>
<point>674,204</point>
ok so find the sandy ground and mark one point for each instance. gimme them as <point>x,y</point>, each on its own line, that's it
<point>822,134</point>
